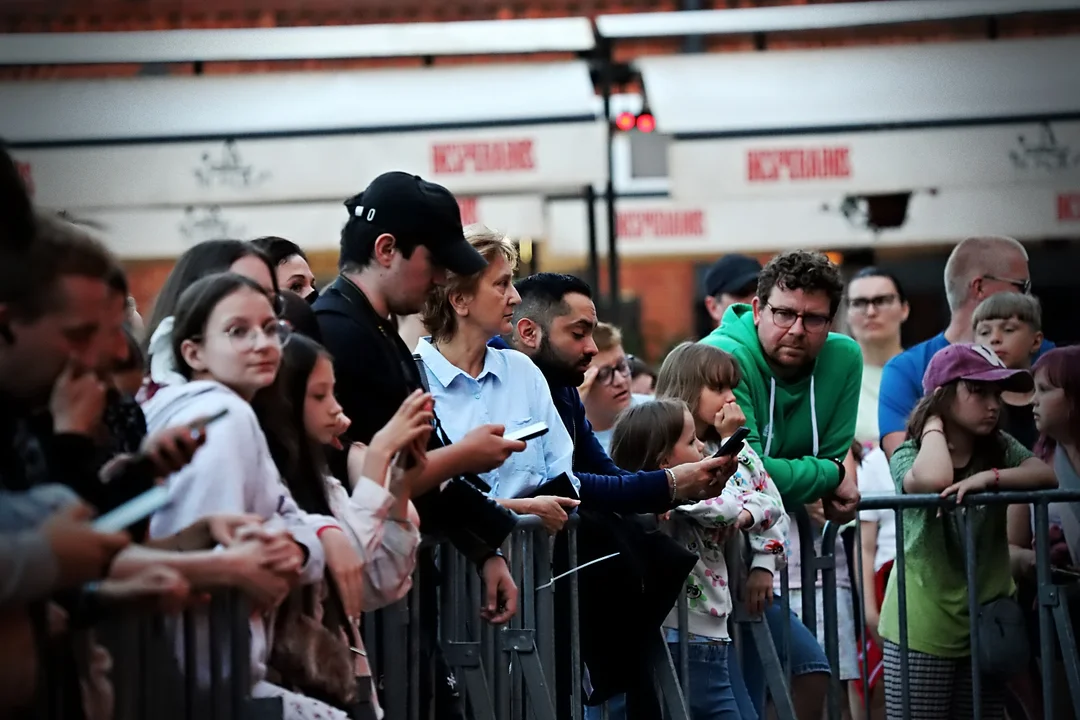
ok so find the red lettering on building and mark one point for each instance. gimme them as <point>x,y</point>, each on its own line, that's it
<point>1068,207</point>
<point>468,210</point>
<point>660,223</point>
<point>26,175</point>
<point>482,157</point>
<point>798,164</point>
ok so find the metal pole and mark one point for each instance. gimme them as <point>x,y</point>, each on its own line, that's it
<point>609,188</point>
<point>594,253</point>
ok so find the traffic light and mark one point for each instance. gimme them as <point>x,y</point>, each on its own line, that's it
<point>643,121</point>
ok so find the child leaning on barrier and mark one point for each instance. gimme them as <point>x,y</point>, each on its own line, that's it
<point>954,447</point>
<point>660,434</point>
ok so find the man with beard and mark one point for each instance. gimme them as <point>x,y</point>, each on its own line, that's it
<point>800,393</point>
<point>554,326</point>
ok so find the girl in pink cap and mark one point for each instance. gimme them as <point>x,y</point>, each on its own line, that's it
<point>954,446</point>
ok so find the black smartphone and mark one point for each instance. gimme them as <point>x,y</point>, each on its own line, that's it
<point>734,443</point>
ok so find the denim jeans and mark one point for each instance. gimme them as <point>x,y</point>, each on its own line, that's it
<point>807,656</point>
<point>714,693</point>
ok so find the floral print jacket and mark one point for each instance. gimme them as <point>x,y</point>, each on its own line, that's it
<point>703,528</point>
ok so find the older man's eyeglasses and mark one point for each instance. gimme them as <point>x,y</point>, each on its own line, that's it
<point>1022,286</point>
<point>606,374</point>
<point>785,319</point>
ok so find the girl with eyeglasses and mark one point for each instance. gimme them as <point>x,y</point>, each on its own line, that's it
<point>206,258</point>
<point>227,345</point>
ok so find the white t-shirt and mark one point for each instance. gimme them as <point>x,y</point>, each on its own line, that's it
<point>875,479</point>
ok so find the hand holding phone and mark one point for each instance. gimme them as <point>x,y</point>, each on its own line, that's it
<point>734,443</point>
<point>529,432</point>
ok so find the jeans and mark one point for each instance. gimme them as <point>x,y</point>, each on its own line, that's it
<point>714,693</point>
<point>807,656</point>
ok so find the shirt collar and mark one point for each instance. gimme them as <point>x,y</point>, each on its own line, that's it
<point>445,371</point>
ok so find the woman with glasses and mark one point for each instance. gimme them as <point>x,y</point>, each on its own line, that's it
<point>206,258</point>
<point>474,384</point>
<point>227,344</point>
<point>876,308</point>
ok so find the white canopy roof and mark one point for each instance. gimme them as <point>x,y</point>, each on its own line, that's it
<point>880,87</point>
<point>277,104</point>
<point>489,37</point>
<point>790,18</point>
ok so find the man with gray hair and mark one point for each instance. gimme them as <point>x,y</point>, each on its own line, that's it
<point>977,268</point>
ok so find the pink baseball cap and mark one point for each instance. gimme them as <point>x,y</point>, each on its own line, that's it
<point>966,361</point>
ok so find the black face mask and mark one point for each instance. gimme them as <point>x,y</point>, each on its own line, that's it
<point>312,296</point>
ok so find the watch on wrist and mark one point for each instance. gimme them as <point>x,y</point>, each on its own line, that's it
<point>840,467</point>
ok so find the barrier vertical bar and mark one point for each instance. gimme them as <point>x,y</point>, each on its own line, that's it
<point>828,601</point>
<point>545,606</point>
<point>218,709</point>
<point>1046,604</point>
<point>785,607</point>
<point>808,568</point>
<point>864,632</point>
<point>901,599</point>
<point>415,679</point>
<point>191,667</point>
<point>973,609</point>
<point>575,626</point>
<point>517,685</point>
<point>684,644</point>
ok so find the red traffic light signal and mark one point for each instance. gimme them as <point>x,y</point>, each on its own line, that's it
<point>646,123</point>
<point>625,121</point>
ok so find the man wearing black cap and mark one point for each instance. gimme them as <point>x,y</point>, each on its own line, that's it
<point>732,279</point>
<point>402,235</point>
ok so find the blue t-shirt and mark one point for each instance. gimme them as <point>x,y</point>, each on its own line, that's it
<point>901,382</point>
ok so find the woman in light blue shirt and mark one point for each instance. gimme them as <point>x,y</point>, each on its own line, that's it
<point>474,384</point>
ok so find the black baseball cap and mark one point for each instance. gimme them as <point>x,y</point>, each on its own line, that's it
<point>731,274</point>
<point>413,209</point>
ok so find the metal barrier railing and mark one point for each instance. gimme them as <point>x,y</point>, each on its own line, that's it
<point>509,673</point>
<point>175,668</point>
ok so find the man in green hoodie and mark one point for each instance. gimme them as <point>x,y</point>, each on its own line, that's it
<point>800,382</point>
<point>799,392</point>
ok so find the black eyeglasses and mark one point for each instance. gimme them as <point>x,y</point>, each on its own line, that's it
<point>1023,286</point>
<point>862,304</point>
<point>606,374</point>
<point>785,319</point>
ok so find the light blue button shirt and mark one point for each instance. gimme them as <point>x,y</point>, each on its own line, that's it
<point>510,391</point>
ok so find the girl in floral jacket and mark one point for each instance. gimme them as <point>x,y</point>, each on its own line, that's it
<point>662,434</point>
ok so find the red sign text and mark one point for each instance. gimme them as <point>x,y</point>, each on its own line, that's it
<point>660,223</point>
<point>798,164</point>
<point>1068,207</point>
<point>482,157</point>
<point>468,210</point>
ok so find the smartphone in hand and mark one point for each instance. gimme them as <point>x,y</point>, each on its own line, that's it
<point>734,443</point>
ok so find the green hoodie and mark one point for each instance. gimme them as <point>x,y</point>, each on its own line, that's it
<point>801,474</point>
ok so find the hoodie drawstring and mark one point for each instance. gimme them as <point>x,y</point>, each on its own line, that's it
<point>772,406</point>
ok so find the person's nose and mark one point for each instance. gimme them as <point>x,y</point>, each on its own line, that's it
<point>871,310</point>
<point>699,446</point>
<point>728,396</point>
<point>515,297</point>
<point>797,328</point>
<point>438,276</point>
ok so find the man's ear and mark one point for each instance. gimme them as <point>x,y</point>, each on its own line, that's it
<point>383,252</point>
<point>758,307</point>
<point>528,333</point>
<point>1036,343</point>
<point>192,353</point>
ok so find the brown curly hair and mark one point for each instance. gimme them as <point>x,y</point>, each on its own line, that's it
<point>801,270</point>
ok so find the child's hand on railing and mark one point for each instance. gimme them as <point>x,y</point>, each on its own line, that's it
<point>758,592</point>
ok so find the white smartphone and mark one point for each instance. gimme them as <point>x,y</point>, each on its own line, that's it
<point>133,510</point>
<point>528,432</point>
